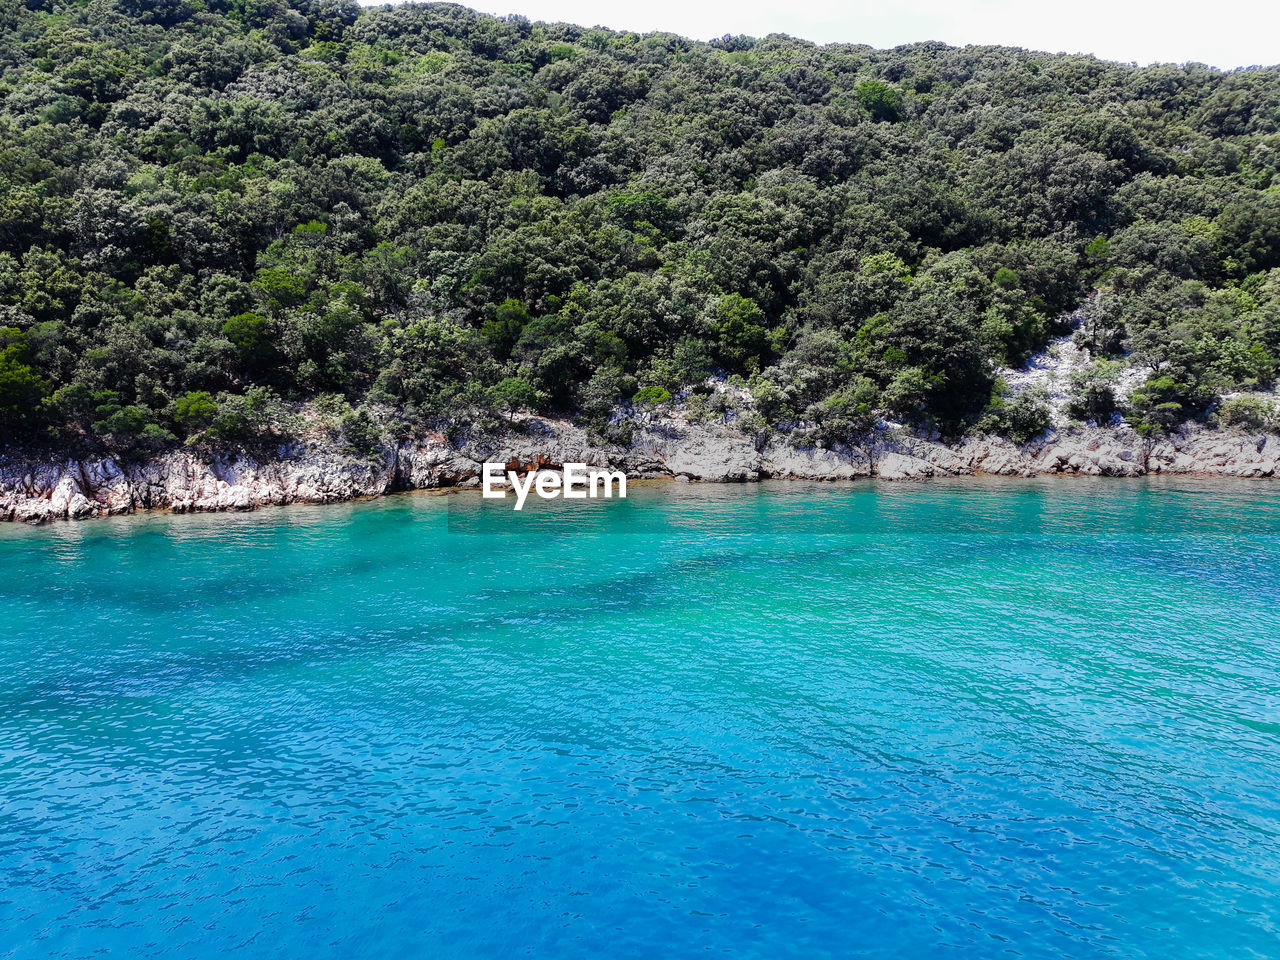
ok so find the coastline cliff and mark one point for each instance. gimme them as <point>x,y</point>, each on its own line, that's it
<point>36,489</point>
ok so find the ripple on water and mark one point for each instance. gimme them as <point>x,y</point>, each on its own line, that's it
<point>976,718</point>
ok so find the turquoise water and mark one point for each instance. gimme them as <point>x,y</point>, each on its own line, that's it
<point>971,719</point>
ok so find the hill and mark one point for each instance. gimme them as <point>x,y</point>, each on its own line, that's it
<point>214,212</point>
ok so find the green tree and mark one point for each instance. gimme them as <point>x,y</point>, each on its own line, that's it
<point>22,390</point>
<point>1163,402</point>
<point>652,396</point>
<point>503,331</point>
<point>742,341</point>
<point>882,101</point>
<point>1020,416</point>
<point>511,395</point>
<point>1092,392</point>
<point>195,410</point>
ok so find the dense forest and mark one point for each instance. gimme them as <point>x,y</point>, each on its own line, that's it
<point>213,210</point>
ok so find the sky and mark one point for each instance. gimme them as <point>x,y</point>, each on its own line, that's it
<point>1221,33</point>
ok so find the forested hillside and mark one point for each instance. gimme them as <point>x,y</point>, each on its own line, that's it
<point>212,209</point>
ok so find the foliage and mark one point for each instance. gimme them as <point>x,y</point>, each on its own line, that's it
<point>21,388</point>
<point>195,410</point>
<point>211,213</point>
<point>742,343</point>
<point>361,433</point>
<point>513,394</point>
<point>1020,416</point>
<point>652,395</point>
<point>1092,392</point>
<point>882,101</point>
<point>1163,402</point>
<point>1250,413</point>
<point>255,420</point>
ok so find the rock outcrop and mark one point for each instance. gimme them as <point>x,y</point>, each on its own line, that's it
<point>35,489</point>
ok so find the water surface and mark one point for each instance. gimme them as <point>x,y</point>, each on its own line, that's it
<point>970,719</point>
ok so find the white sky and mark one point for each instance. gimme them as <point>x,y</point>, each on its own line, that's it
<point>1222,33</point>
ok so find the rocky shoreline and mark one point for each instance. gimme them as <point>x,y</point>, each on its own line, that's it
<point>41,489</point>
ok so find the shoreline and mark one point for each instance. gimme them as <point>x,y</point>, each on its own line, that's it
<point>1195,482</point>
<point>37,490</point>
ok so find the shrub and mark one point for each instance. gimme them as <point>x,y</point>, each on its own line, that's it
<point>195,410</point>
<point>882,101</point>
<point>254,419</point>
<point>1092,395</point>
<point>1019,416</point>
<point>652,395</point>
<point>131,427</point>
<point>1164,402</point>
<point>361,433</point>
<point>1249,413</point>
<point>742,342</point>
<point>847,413</point>
<point>599,394</point>
<point>21,388</point>
<point>511,395</point>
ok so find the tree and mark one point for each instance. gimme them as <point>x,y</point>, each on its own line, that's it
<point>415,204</point>
<point>652,396</point>
<point>22,390</point>
<point>1091,392</point>
<point>742,343</point>
<point>882,101</point>
<point>252,336</point>
<point>1020,416</point>
<point>1249,413</point>
<point>195,410</point>
<point>1163,402</point>
<point>511,395</point>
<point>503,331</point>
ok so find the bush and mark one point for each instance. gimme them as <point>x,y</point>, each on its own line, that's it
<point>1249,413</point>
<point>882,101</point>
<point>752,424</point>
<point>361,433</point>
<point>685,362</point>
<point>846,414</point>
<point>652,395</point>
<point>770,400</point>
<point>255,419</point>
<point>1092,396</point>
<point>131,427</point>
<point>599,394</point>
<point>194,411</point>
<point>354,428</point>
<point>21,389</point>
<point>251,335</point>
<point>742,342</point>
<point>1164,402</point>
<point>1019,416</point>
<point>511,395</point>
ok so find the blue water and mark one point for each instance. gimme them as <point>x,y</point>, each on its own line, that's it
<point>971,719</point>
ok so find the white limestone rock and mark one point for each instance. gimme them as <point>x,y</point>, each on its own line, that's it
<point>783,461</point>
<point>37,490</point>
<point>902,466</point>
